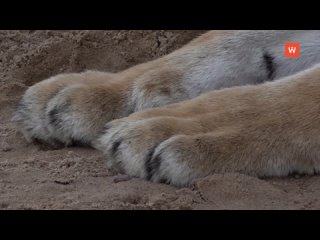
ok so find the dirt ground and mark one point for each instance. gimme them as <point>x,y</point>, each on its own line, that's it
<point>34,177</point>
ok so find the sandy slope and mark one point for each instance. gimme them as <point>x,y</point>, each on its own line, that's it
<point>34,177</point>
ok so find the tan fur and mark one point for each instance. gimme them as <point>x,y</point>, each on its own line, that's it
<point>264,130</point>
<point>269,129</point>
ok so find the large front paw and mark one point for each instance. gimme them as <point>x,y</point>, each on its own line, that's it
<point>172,161</point>
<point>130,145</point>
<point>74,116</point>
<point>69,109</point>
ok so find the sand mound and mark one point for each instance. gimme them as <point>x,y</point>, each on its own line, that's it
<point>33,177</point>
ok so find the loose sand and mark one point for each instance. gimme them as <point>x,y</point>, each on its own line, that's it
<point>35,177</point>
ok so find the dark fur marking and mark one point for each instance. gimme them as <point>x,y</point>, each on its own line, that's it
<point>115,147</point>
<point>54,114</point>
<point>53,117</point>
<point>105,128</point>
<point>270,66</point>
<point>152,164</point>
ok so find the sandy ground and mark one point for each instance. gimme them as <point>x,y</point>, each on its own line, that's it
<point>35,177</point>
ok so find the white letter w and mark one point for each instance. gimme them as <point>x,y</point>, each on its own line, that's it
<point>292,49</point>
